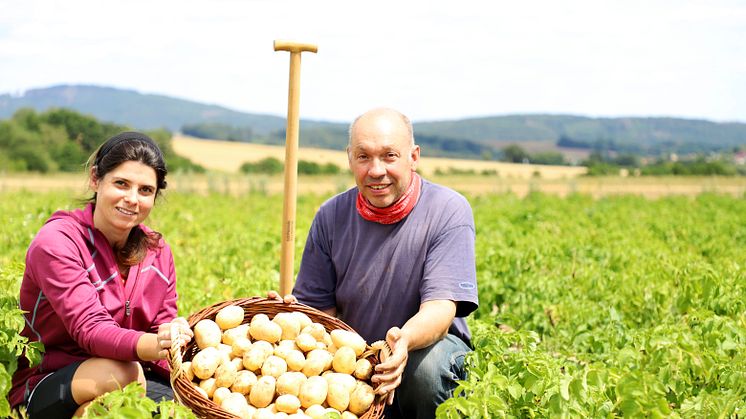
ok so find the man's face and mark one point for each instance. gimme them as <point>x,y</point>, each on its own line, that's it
<point>382,158</point>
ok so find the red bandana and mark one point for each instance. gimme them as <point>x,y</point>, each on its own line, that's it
<point>394,212</point>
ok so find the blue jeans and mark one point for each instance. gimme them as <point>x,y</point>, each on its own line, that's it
<point>429,379</point>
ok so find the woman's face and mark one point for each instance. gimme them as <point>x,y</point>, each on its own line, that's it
<point>124,198</point>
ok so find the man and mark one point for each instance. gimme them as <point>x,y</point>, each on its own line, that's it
<point>394,259</point>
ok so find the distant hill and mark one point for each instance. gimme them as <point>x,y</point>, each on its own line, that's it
<point>475,138</point>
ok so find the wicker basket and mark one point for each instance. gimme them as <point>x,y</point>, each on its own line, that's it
<point>185,393</point>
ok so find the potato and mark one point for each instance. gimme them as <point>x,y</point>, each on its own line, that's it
<point>200,390</point>
<point>263,413</point>
<point>226,374</point>
<point>316,330</point>
<point>315,411</point>
<point>186,367</point>
<point>348,415</point>
<point>239,346</point>
<point>240,331</point>
<point>289,383</point>
<point>229,317</point>
<point>303,319</point>
<point>306,342</point>
<point>274,366</point>
<point>267,347</point>
<point>289,323</point>
<point>236,404</point>
<point>244,381</point>
<point>209,386</point>
<point>361,398</point>
<point>346,338</point>
<point>338,396</point>
<point>220,394</point>
<point>363,369</point>
<point>298,416</point>
<point>295,360</point>
<point>283,347</point>
<point>267,331</point>
<point>238,363</point>
<point>207,333</point>
<point>345,380</point>
<point>254,359</point>
<point>316,362</point>
<point>225,353</point>
<point>205,362</point>
<point>344,360</point>
<point>258,318</point>
<point>313,391</point>
<point>287,403</point>
<point>263,391</point>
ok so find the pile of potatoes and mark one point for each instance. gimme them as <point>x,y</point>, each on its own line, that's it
<point>284,367</point>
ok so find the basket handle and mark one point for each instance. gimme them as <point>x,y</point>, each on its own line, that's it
<point>174,360</point>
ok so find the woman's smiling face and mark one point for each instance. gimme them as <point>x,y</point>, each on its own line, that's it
<point>124,198</point>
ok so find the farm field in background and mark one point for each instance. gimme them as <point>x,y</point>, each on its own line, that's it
<point>589,307</point>
<point>237,184</point>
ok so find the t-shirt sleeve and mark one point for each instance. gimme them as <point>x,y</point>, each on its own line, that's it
<point>450,265</point>
<point>57,267</point>
<point>316,282</point>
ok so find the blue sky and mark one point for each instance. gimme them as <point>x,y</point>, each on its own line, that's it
<point>430,59</point>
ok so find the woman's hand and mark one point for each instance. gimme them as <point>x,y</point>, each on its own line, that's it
<point>388,373</point>
<point>289,299</point>
<point>155,346</point>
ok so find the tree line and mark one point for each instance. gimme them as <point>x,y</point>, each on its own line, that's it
<point>61,140</point>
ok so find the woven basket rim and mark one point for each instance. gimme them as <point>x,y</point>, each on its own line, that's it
<point>187,396</point>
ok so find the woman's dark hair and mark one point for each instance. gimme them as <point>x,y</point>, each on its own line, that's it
<point>124,147</point>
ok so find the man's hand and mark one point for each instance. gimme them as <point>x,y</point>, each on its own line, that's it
<point>388,373</point>
<point>289,299</point>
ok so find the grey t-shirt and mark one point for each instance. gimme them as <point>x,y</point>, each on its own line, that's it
<point>377,275</point>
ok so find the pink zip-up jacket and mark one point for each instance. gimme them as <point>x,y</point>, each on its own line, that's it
<point>77,305</point>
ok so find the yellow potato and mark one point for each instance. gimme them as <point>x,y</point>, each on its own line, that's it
<point>348,415</point>
<point>244,381</point>
<point>259,318</point>
<point>289,323</point>
<point>345,380</point>
<point>236,404</point>
<point>295,360</point>
<point>205,362</point>
<point>186,367</point>
<point>303,319</point>
<point>238,363</point>
<point>226,374</point>
<point>316,330</point>
<point>338,397</point>
<point>344,360</point>
<point>290,383</point>
<point>263,413</point>
<point>262,393</point>
<point>200,390</point>
<point>306,342</point>
<point>274,366</point>
<point>240,331</point>
<point>346,338</point>
<point>208,386</point>
<point>287,403</point>
<point>267,331</point>
<point>254,359</point>
<point>313,391</point>
<point>315,411</point>
<point>207,333</point>
<point>229,317</point>
<point>361,398</point>
<point>316,362</point>
<point>220,394</point>
<point>266,347</point>
<point>240,346</point>
<point>363,369</point>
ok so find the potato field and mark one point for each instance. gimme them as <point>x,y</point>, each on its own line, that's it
<point>590,308</point>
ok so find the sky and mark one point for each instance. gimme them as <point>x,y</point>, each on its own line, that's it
<point>432,60</point>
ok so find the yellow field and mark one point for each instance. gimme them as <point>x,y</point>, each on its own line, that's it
<point>228,156</point>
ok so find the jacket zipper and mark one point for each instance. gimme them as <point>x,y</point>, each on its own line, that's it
<point>127,308</point>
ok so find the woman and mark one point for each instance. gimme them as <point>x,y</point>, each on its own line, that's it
<point>99,289</point>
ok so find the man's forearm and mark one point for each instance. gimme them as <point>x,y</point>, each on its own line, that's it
<point>430,324</point>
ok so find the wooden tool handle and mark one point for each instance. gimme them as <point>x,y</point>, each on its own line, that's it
<point>281,45</point>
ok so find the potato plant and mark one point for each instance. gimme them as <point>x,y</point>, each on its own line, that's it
<point>613,307</point>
